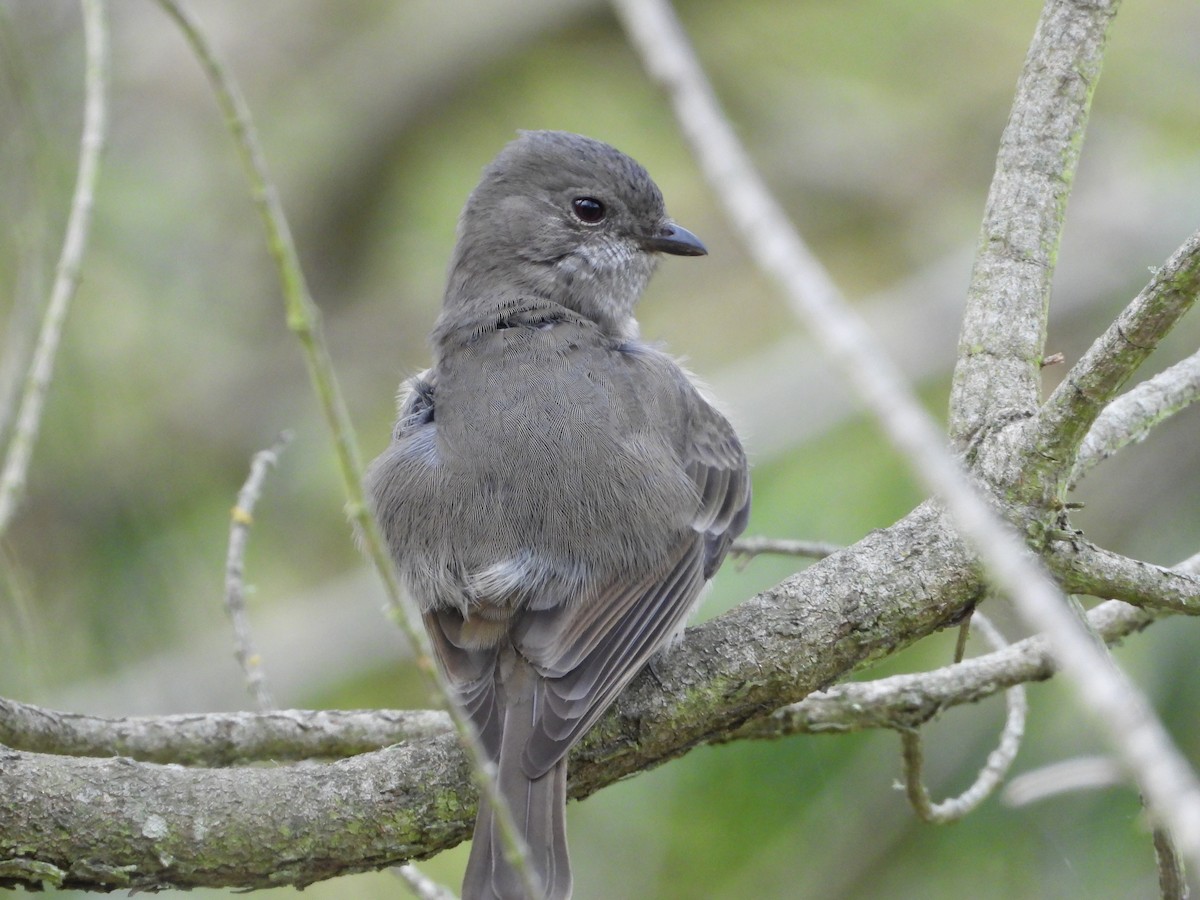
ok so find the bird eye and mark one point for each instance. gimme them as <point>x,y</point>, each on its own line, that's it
<point>588,210</point>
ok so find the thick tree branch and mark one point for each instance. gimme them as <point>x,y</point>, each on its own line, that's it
<point>1066,418</point>
<point>1004,326</point>
<point>816,627</point>
<point>415,799</point>
<point>224,739</point>
<point>103,824</point>
<point>893,587</point>
<point>1130,417</point>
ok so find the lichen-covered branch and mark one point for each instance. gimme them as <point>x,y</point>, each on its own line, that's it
<point>226,739</point>
<point>412,800</point>
<point>167,825</point>
<point>104,824</point>
<point>1003,335</point>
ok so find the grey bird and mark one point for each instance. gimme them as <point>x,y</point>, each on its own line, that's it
<point>557,492</point>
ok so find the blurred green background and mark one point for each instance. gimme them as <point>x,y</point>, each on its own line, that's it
<point>876,122</point>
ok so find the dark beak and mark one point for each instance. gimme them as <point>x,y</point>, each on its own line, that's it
<point>676,240</point>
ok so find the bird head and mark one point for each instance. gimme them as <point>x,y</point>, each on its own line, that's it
<point>570,219</point>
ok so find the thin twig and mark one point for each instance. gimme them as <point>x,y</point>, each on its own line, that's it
<point>1068,415</point>
<point>750,547</point>
<point>1172,882</point>
<point>70,261</point>
<point>1191,565</point>
<point>910,700</point>
<point>769,237</point>
<point>964,632</point>
<point>303,319</point>
<point>26,133</point>
<point>422,886</point>
<point>241,517</point>
<point>1090,773</point>
<point>1129,418</point>
<point>1083,773</point>
<point>998,762</point>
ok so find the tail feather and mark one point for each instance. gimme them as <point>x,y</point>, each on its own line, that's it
<point>538,807</point>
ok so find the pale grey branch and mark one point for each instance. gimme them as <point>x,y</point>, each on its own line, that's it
<point>907,701</point>
<point>1084,568</point>
<point>998,763</point>
<point>1066,418</point>
<point>215,739</point>
<point>422,886</point>
<point>1130,417</point>
<point>1003,335</point>
<point>1084,773</point>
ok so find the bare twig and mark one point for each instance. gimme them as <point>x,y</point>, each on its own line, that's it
<point>998,762</point>
<point>66,279</point>
<point>750,547</point>
<point>1090,773</point>
<point>1126,717</point>
<point>907,701</point>
<point>1083,773</point>
<point>964,632</point>
<point>1172,882</point>
<point>241,517</point>
<point>422,886</point>
<point>24,132</point>
<point>1067,417</point>
<point>1129,418</point>
<point>304,320</point>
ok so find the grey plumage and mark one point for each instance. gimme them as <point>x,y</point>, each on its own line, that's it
<point>557,492</point>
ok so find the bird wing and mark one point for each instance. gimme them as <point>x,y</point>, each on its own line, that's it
<point>588,652</point>
<point>471,671</point>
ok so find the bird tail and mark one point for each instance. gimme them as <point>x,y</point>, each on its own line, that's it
<point>538,807</point>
